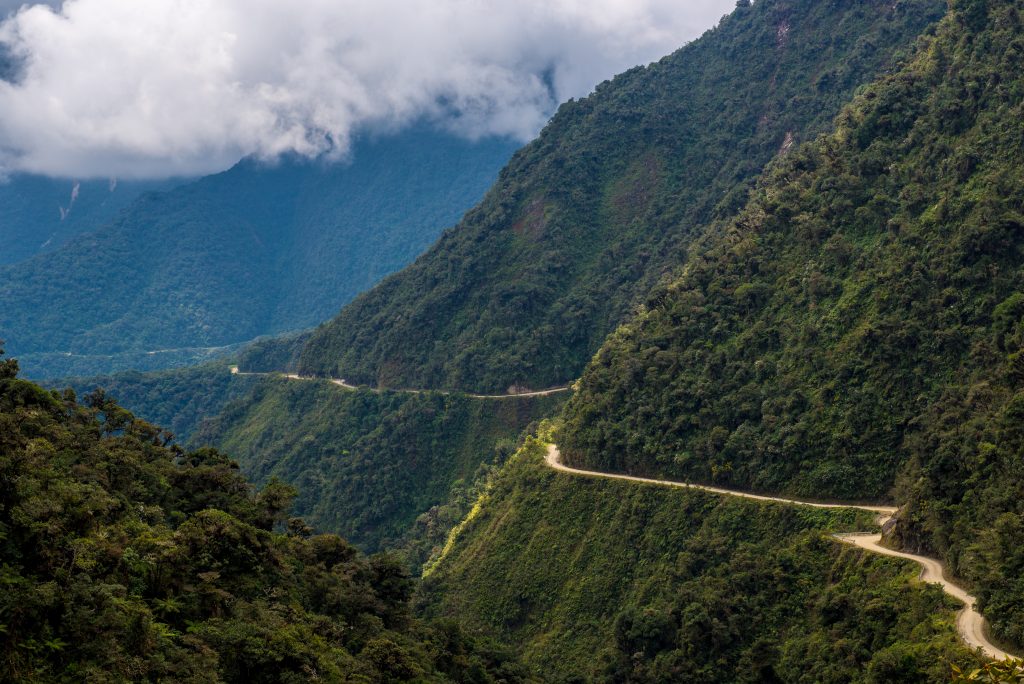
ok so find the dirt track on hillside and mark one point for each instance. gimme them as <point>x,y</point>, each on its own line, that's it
<point>340,382</point>
<point>970,623</point>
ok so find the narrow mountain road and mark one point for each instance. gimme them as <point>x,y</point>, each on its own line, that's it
<point>340,382</point>
<point>969,623</point>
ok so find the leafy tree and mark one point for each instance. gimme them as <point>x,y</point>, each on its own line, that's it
<point>8,367</point>
<point>125,558</point>
<point>1011,672</point>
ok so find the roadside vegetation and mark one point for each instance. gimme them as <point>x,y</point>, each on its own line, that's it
<point>385,470</point>
<point>609,581</point>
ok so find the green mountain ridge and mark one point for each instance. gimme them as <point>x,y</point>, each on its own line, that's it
<point>856,331</point>
<point>299,432</point>
<point>285,432</point>
<point>588,217</point>
<point>851,327</point>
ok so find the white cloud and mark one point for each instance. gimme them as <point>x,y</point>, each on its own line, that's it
<point>161,87</point>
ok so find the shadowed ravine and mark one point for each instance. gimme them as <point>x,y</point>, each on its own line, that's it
<point>970,623</point>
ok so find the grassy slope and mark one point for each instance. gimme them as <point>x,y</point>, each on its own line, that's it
<point>369,465</point>
<point>596,580</point>
<point>585,219</point>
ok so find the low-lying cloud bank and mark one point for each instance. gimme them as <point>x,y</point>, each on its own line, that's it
<point>181,87</point>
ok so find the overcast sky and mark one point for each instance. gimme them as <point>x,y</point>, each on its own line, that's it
<point>135,88</point>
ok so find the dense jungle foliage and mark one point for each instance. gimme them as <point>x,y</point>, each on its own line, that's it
<point>860,324</point>
<point>273,354</point>
<point>604,581</point>
<point>385,470</point>
<point>125,558</point>
<point>1008,672</point>
<point>586,218</point>
<point>253,251</point>
<point>855,330</point>
<point>179,400</point>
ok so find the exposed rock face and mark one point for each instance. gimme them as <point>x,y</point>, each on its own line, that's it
<point>888,526</point>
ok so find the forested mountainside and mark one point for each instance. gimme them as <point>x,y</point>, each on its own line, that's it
<point>606,581</point>
<point>39,214</point>
<point>124,558</point>
<point>818,50</point>
<point>858,331</point>
<point>252,251</point>
<point>280,353</point>
<point>386,470</point>
<point>850,327</point>
<point>586,219</point>
<point>179,399</point>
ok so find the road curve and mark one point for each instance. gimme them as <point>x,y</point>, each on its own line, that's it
<point>970,623</point>
<point>340,382</point>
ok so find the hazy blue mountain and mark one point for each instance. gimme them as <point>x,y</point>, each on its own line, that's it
<point>258,249</point>
<point>39,214</point>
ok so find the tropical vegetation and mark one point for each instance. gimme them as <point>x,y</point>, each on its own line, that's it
<point>385,470</point>
<point>857,332</point>
<point>124,557</point>
<point>607,581</point>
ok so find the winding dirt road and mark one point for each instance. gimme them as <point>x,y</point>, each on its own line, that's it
<point>969,623</point>
<point>340,382</point>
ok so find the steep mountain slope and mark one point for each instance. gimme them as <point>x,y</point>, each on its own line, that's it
<point>387,471</point>
<point>125,560</point>
<point>589,216</point>
<point>263,429</point>
<point>860,324</point>
<point>252,251</point>
<point>40,214</point>
<point>605,581</point>
<point>179,399</point>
